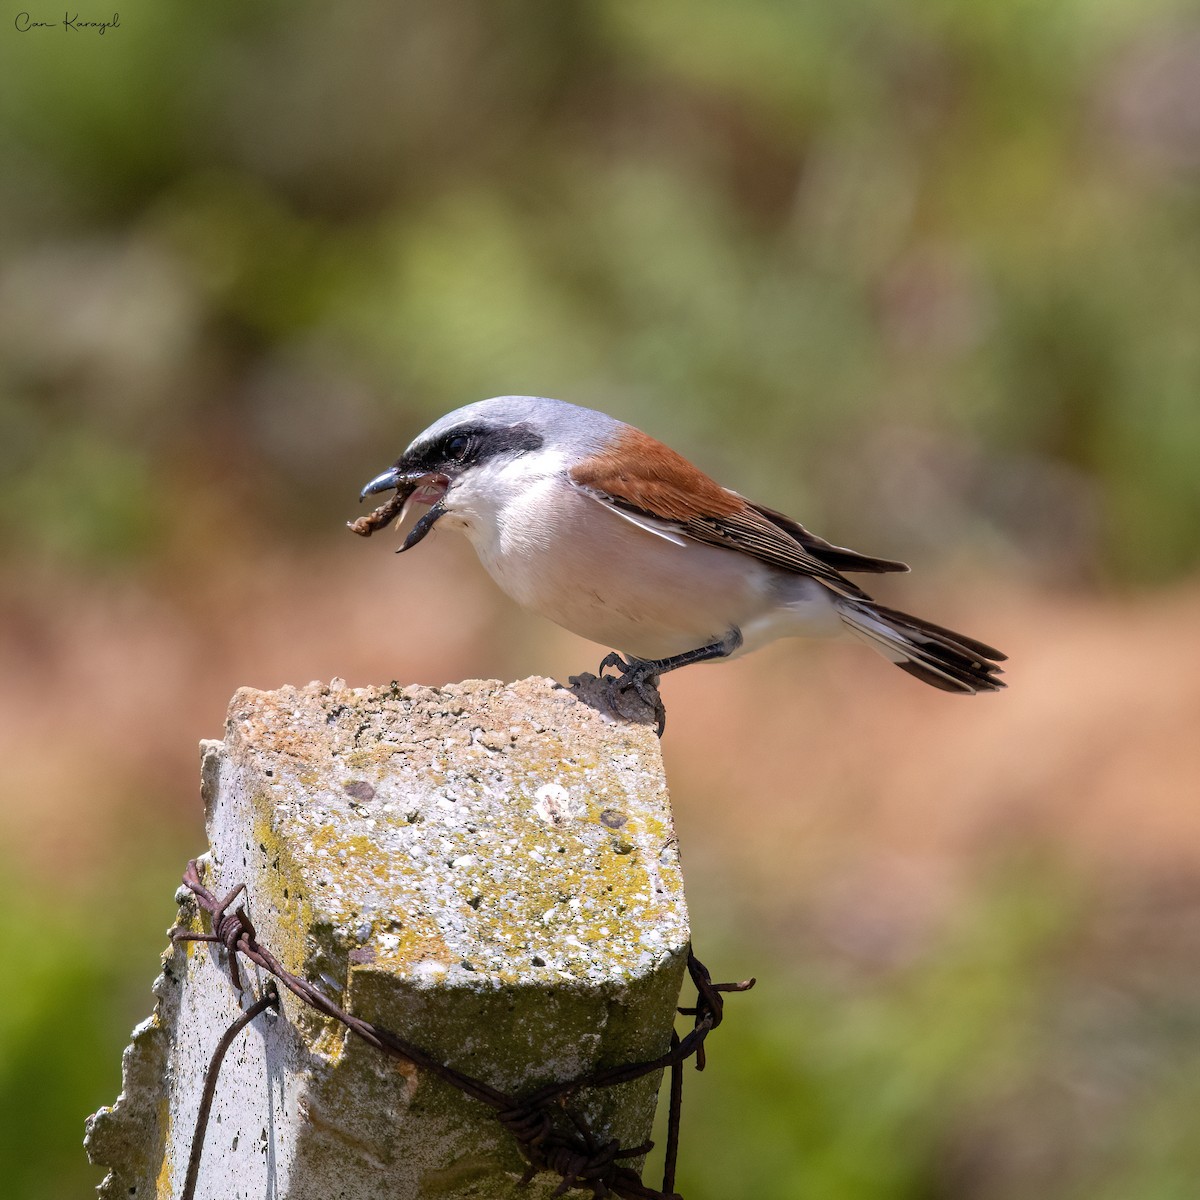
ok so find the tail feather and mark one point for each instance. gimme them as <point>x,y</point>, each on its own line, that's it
<point>935,655</point>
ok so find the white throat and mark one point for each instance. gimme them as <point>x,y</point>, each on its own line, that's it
<point>501,499</point>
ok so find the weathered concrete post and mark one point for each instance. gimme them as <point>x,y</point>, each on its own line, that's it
<point>490,870</point>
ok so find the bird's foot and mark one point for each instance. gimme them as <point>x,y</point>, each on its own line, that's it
<point>639,677</point>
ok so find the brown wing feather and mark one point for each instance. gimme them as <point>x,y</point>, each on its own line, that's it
<point>751,533</point>
<point>839,557</point>
<point>642,476</point>
<point>639,472</point>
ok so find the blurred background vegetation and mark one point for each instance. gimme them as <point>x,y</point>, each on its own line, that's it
<point>924,272</point>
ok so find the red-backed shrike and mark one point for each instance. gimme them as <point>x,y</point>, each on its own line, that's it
<point>614,536</point>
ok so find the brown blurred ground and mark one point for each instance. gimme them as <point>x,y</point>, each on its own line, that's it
<point>801,760</point>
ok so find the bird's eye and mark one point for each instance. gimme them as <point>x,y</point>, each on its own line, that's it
<point>457,447</point>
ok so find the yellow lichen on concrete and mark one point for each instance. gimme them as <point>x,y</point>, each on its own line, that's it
<point>479,832</point>
<point>162,1184</point>
<point>292,909</point>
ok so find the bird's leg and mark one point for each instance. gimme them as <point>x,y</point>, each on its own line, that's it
<point>637,672</point>
<point>641,674</point>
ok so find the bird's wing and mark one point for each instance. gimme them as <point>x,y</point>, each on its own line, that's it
<point>839,557</point>
<point>644,481</point>
<point>667,530</point>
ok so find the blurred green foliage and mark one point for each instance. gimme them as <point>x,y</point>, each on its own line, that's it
<point>792,238</point>
<point>72,991</point>
<point>967,1067</point>
<point>837,1085</point>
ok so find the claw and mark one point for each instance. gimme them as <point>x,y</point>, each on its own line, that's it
<point>639,676</point>
<point>612,659</point>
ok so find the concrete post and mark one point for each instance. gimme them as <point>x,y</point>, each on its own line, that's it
<point>490,870</point>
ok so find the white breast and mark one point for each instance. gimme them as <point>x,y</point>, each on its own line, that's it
<point>556,551</point>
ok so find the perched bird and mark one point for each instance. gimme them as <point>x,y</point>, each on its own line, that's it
<point>614,536</point>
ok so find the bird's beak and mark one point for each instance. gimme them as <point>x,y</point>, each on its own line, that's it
<point>424,486</point>
<point>423,526</point>
<point>411,487</point>
<point>393,477</point>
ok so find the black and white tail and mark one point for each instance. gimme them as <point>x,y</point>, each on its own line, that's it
<point>940,657</point>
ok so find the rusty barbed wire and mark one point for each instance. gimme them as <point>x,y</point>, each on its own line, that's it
<point>574,1154</point>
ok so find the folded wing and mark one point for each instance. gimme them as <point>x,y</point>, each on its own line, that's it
<point>657,489</point>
